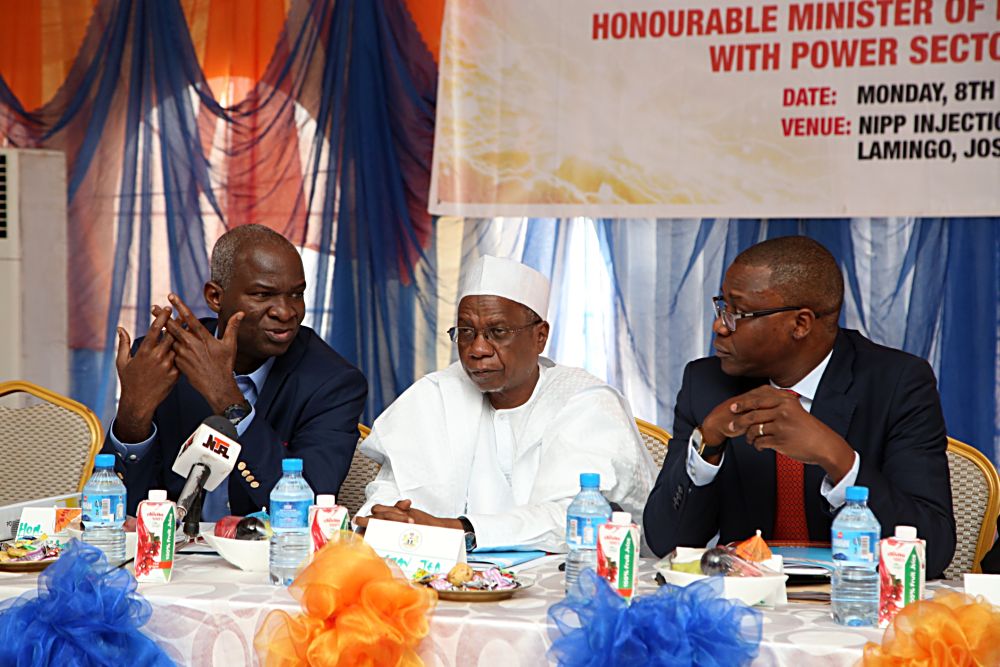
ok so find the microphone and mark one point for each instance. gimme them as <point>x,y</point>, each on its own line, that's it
<point>205,459</point>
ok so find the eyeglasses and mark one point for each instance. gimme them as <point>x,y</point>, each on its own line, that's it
<point>729,317</point>
<point>496,335</point>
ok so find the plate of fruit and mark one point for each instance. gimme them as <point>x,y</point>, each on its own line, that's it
<point>464,584</point>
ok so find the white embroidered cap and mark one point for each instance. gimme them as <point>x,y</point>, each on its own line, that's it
<point>496,276</point>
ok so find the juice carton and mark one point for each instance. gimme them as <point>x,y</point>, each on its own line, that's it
<point>618,553</point>
<point>156,521</point>
<point>902,565</point>
<point>326,519</point>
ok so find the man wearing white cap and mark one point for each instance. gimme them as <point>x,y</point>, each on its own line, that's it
<point>495,443</point>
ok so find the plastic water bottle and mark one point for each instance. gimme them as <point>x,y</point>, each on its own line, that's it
<point>854,537</point>
<point>102,506</point>
<point>290,501</point>
<point>588,510</point>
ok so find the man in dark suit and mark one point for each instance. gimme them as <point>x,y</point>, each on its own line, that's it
<point>791,410</point>
<point>287,392</point>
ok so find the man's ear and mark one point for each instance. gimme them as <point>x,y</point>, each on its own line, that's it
<point>804,321</point>
<point>213,296</point>
<point>543,336</point>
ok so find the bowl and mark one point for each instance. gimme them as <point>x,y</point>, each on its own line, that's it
<point>248,555</point>
<point>766,590</point>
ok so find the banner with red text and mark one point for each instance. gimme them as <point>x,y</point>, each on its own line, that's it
<point>661,108</point>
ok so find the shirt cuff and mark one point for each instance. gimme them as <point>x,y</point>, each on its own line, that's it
<point>837,495</point>
<point>699,470</point>
<point>244,424</point>
<point>131,451</point>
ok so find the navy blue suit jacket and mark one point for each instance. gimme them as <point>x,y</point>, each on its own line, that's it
<point>308,408</point>
<point>882,401</point>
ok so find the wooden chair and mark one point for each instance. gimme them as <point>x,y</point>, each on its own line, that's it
<point>975,498</point>
<point>47,443</point>
<point>655,439</point>
<point>363,471</point>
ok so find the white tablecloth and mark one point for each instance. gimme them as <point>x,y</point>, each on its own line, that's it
<point>209,613</point>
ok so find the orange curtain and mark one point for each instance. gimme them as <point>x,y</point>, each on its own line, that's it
<point>234,40</point>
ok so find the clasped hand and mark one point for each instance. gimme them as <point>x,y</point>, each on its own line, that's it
<point>404,512</point>
<point>772,418</point>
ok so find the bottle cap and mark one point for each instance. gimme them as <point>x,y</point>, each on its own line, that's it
<point>104,461</point>
<point>621,518</point>
<point>326,500</point>
<point>291,465</point>
<point>158,495</point>
<point>906,532</point>
<point>590,480</point>
<point>857,494</point>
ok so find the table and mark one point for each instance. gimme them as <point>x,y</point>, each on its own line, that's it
<point>209,613</point>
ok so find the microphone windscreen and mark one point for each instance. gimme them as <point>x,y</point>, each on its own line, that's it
<point>222,425</point>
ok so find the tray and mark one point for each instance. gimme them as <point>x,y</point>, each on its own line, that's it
<point>483,595</point>
<point>26,566</point>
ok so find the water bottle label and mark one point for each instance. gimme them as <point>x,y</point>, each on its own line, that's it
<point>855,547</point>
<point>102,509</point>
<point>289,514</point>
<point>581,531</point>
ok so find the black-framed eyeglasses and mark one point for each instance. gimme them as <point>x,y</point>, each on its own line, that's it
<point>729,317</point>
<point>496,335</point>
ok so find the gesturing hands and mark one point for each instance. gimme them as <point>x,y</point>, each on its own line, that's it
<point>205,360</point>
<point>772,418</point>
<point>171,347</point>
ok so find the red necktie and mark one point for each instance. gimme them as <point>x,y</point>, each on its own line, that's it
<point>789,500</point>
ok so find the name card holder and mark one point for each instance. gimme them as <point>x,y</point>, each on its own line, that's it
<point>414,547</point>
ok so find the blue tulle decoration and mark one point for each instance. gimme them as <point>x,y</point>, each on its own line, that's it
<point>83,614</point>
<point>677,625</point>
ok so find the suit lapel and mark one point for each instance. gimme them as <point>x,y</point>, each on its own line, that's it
<point>282,369</point>
<point>835,408</point>
<point>832,405</point>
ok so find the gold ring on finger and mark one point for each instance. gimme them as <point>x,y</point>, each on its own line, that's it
<point>760,430</point>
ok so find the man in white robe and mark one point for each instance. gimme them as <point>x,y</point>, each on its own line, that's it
<point>495,443</point>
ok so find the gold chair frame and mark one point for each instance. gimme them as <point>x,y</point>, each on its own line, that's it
<point>989,471</point>
<point>91,420</point>
<point>655,432</point>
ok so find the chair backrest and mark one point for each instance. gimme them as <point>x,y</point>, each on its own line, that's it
<point>655,439</point>
<point>47,443</point>
<point>975,499</point>
<point>363,471</point>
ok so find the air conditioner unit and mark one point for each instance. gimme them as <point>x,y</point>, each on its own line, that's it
<point>33,308</point>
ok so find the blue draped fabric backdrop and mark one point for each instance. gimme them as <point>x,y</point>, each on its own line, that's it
<point>151,188</point>
<point>632,298</point>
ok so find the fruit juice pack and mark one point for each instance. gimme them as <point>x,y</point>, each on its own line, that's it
<point>618,553</point>
<point>326,519</point>
<point>902,568</point>
<point>155,524</point>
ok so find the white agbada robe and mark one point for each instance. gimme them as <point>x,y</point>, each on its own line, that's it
<point>513,472</point>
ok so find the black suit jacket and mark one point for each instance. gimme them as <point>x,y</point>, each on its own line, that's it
<point>308,408</point>
<point>882,401</point>
<point>991,561</point>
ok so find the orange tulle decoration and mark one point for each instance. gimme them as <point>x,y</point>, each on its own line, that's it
<point>356,611</point>
<point>952,629</point>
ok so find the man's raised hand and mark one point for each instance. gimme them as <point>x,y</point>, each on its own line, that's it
<point>205,360</point>
<point>146,378</point>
